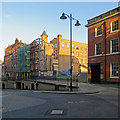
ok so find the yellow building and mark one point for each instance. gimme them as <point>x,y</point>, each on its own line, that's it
<point>61,55</point>
<point>46,50</point>
<point>56,55</point>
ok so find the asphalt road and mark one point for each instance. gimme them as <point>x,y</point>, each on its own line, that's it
<point>34,104</point>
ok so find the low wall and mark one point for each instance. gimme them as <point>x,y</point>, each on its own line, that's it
<point>31,85</point>
<point>9,84</point>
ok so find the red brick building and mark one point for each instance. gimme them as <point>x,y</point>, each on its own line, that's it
<point>10,59</point>
<point>104,47</point>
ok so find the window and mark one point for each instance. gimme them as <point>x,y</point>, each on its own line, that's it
<point>63,45</point>
<point>68,45</point>
<point>72,53</point>
<point>85,62</point>
<point>98,48</point>
<point>77,54</point>
<point>114,45</point>
<point>114,69</point>
<point>81,48</point>
<point>77,47</point>
<point>72,45</point>
<point>85,55</point>
<point>81,61</point>
<point>81,54</point>
<point>114,26</point>
<point>85,49</point>
<point>56,45</point>
<point>98,31</point>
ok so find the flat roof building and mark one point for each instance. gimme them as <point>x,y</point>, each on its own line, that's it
<point>104,47</point>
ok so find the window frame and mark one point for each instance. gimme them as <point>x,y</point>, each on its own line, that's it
<point>77,54</point>
<point>111,70</point>
<point>111,46</point>
<point>81,54</point>
<point>96,31</point>
<point>63,45</point>
<point>96,49</point>
<point>81,61</point>
<point>112,26</point>
<point>56,45</point>
<point>68,45</point>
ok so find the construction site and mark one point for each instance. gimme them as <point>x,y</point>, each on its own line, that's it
<point>41,60</point>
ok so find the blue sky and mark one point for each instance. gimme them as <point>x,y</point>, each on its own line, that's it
<point>27,20</point>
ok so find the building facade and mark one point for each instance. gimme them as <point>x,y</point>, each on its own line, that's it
<point>10,59</point>
<point>104,47</point>
<point>3,71</point>
<point>1,63</point>
<point>23,62</point>
<point>61,55</point>
<point>40,55</point>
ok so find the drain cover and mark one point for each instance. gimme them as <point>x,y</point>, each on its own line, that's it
<point>56,112</point>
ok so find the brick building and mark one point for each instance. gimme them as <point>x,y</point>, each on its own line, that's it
<point>40,55</point>
<point>61,55</point>
<point>24,61</point>
<point>1,62</point>
<point>104,47</point>
<point>10,59</point>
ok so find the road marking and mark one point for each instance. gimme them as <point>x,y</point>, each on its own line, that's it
<point>56,112</point>
<point>81,101</point>
<point>5,95</point>
<point>70,102</point>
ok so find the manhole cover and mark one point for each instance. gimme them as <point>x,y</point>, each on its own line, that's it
<point>56,112</point>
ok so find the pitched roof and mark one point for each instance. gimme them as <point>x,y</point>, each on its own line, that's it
<point>44,33</point>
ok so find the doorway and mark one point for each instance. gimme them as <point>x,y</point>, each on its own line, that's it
<point>18,85</point>
<point>32,86</point>
<point>95,73</point>
<point>3,86</point>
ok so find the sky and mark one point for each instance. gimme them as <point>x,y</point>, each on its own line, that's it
<point>27,20</point>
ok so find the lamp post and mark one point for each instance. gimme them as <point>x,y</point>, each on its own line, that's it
<point>63,17</point>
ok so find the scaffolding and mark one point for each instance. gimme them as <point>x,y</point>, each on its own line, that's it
<point>38,57</point>
<point>23,62</point>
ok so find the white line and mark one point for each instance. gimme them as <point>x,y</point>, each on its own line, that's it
<point>5,95</point>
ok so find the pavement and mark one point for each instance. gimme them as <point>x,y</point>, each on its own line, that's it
<point>84,88</point>
<point>85,103</point>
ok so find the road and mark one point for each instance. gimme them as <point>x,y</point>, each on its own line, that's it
<point>34,104</point>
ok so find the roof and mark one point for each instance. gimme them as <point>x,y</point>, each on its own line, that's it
<point>44,33</point>
<point>104,16</point>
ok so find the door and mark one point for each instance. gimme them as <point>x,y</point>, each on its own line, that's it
<point>95,73</point>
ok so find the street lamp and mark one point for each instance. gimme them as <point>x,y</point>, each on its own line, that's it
<point>63,17</point>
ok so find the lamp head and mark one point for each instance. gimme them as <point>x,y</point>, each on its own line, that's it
<point>63,16</point>
<point>77,23</point>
